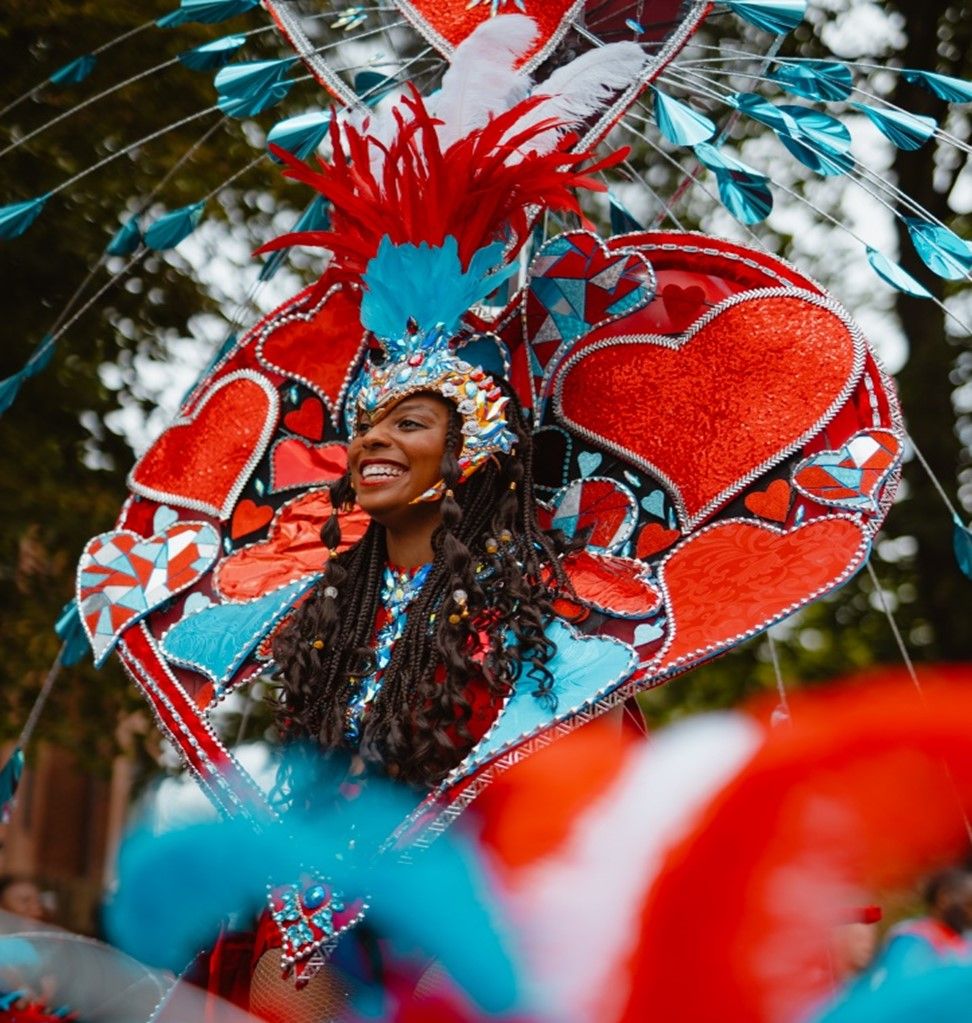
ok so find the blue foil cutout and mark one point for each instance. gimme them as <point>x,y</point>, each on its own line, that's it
<point>621,219</point>
<point>205,12</point>
<point>126,239</point>
<point>904,129</point>
<point>962,546</point>
<point>213,55</point>
<point>584,668</point>
<point>679,123</point>
<point>71,633</point>
<point>16,217</point>
<point>776,16</point>
<point>895,275</point>
<point>822,80</point>
<point>217,640</point>
<point>314,218</point>
<point>249,88</point>
<point>940,249</point>
<point>428,284</point>
<point>10,775</point>
<point>300,135</point>
<point>953,90</point>
<point>77,71</point>
<point>742,190</point>
<point>172,227</point>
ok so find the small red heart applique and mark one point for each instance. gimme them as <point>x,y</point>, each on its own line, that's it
<point>654,538</point>
<point>248,517</point>
<point>773,503</point>
<point>308,420</point>
<point>683,305</point>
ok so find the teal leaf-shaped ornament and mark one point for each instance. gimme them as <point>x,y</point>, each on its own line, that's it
<point>952,90</point>
<point>10,775</point>
<point>206,12</point>
<point>895,275</point>
<point>249,88</point>
<point>77,71</point>
<point>742,190</point>
<point>41,357</point>
<point>16,217</point>
<point>371,86</point>
<point>904,129</point>
<point>316,217</point>
<point>821,80</point>
<point>300,135</point>
<point>622,222</point>
<point>10,388</point>
<point>126,239</point>
<point>172,227</point>
<point>679,123</point>
<point>71,633</point>
<point>776,16</point>
<point>962,546</point>
<point>213,55</point>
<point>940,249</point>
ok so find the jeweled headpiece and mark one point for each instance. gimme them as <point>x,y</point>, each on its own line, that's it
<point>433,202</point>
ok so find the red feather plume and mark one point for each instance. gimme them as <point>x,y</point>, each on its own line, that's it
<point>424,193</point>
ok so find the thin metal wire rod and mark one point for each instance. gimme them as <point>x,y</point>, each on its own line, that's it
<point>45,691</point>
<point>898,638</point>
<point>934,479</point>
<point>637,178</point>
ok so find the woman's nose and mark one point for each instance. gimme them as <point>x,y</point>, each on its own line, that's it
<point>375,437</point>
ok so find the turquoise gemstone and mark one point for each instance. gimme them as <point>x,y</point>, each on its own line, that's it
<point>315,897</point>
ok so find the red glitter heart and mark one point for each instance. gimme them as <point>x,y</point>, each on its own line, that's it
<point>772,503</point>
<point>292,549</point>
<point>318,345</point>
<point>683,305</point>
<point>248,517</point>
<point>308,420</point>
<point>654,538</point>
<point>295,463</point>
<point>203,460</point>
<point>734,578</point>
<point>747,386</point>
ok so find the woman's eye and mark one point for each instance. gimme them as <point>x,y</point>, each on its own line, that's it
<point>409,424</point>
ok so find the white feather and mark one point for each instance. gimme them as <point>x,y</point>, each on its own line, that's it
<point>482,80</point>
<point>579,89</point>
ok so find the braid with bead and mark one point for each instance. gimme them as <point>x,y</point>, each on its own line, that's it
<point>490,552</point>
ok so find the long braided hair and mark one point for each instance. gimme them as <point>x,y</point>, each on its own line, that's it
<point>411,729</point>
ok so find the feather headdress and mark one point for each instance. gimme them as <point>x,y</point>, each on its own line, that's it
<point>432,202</point>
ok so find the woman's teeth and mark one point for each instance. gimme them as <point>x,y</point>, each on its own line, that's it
<point>385,471</point>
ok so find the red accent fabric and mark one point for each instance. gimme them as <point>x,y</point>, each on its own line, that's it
<point>738,576</point>
<point>308,420</point>
<point>295,463</point>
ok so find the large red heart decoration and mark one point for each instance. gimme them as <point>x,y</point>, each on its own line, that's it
<point>295,463</point>
<point>317,346</point>
<point>732,579</point>
<point>710,410</point>
<point>204,459</point>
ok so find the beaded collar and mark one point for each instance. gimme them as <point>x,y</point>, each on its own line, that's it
<point>399,587</point>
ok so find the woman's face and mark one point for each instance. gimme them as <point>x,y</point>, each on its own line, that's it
<point>397,457</point>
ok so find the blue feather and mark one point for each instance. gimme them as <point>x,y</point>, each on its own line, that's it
<point>300,135</point>
<point>427,284</point>
<point>904,129</point>
<point>940,249</point>
<point>16,217</point>
<point>743,191</point>
<point>212,55</point>
<point>249,88</point>
<point>962,546</point>
<point>896,275</point>
<point>815,79</point>
<point>206,12</point>
<point>776,16</point>
<point>679,123</point>
<point>77,71</point>
<point>172,227</point>
<point>10,775</point>
<point>71,633</point>
<point>952,90</point>
<point>621,219</point>
<point>126,239</point>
